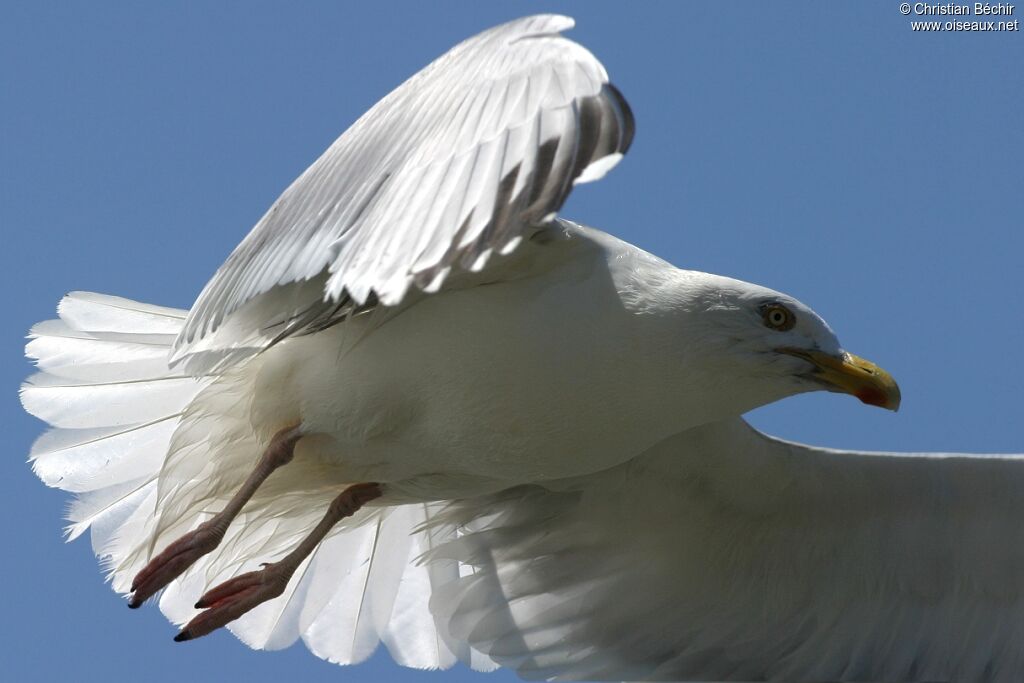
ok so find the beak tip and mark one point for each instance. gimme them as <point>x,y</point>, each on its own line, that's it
<point>889,398</point>
<point>849,374</point>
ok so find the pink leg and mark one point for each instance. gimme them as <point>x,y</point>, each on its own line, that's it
<point>180,555</point>
<point>235,597</point>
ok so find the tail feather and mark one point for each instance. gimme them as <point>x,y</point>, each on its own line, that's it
<point>91,311</point>
<point>82,460</point>
<point>86,404</point>
<point>105,385</point>
<point>151,452</point>
<point>93,509</point>
<point>60,349</point>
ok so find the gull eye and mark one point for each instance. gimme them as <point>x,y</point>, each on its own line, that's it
<point>778,317</point>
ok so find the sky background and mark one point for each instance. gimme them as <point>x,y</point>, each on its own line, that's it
<point>822,149</point>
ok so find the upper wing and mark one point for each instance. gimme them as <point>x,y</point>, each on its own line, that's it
<point>724,554</point>
<point>452,166</point>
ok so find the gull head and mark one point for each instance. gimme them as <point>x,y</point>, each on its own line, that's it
<point>771,345</point>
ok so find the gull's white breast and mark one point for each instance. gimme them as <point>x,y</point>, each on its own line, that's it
<point>525,379</point>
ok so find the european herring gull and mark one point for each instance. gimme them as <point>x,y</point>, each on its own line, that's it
<point>416,407</point>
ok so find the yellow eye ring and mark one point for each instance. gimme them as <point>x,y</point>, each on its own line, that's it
<point>778,317</point>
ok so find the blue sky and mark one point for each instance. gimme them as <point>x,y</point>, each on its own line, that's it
<point>822,149</point>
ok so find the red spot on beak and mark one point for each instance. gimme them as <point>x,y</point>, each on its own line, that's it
<point>873,397</point>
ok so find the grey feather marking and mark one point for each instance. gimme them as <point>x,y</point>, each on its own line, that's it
<point>468,155</point>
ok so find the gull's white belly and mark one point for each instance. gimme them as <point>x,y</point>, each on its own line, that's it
<point>515,381</point>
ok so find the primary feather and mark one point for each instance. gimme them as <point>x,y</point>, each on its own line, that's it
<point>456,164</point>
<point>379,305</point>
<point>726,555</point>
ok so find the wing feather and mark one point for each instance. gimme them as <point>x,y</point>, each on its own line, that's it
<point>467,155</point>
<point>726,555</point>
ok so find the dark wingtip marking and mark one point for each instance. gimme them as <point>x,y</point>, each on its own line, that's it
<point>628,121</point>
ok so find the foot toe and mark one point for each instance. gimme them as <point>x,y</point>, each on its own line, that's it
<point>233,598</point>
<point>171,563</point>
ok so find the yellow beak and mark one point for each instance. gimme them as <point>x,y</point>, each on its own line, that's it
<point>851,374</point>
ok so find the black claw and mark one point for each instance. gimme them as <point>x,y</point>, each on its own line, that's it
<point>182,637</point>
<point>134,604</point>
<point>199,605</point>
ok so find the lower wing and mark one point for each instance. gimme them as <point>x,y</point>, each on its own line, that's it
<point>723,554</point>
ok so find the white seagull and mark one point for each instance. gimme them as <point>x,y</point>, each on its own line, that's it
<point>415,407</point>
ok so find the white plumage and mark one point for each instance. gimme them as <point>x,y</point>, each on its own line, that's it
<point>413,305</point>
<point>450,168</point>
<point>723,554</point>
<point>362,586</point>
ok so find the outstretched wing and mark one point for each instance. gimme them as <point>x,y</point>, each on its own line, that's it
<point>726,555</point>
<point>454,165</point>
